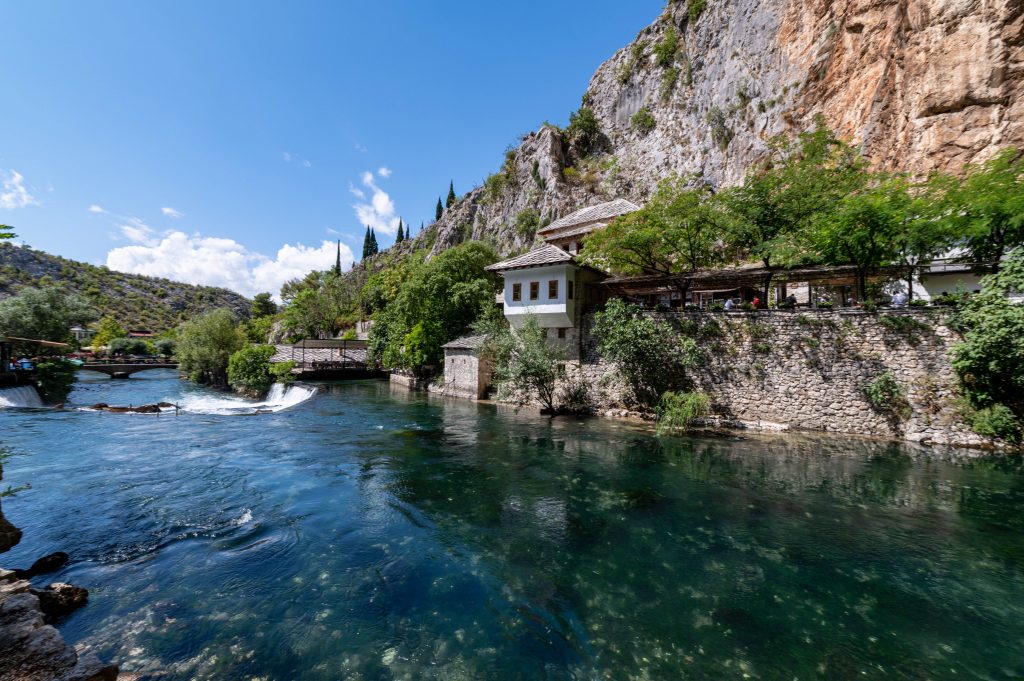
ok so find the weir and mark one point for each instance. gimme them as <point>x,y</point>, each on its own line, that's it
<point>21,396</point>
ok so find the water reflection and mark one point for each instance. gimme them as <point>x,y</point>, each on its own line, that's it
<point>374,534</point>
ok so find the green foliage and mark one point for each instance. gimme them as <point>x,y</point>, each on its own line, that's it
<point>665,50</point>
<point>627,68</point>
<point>450,201</point>
<point>45,313</point>
<point>677,412</point>
<point>583,135</point>
<point>647,352</point>
<point>668,82</point>
<point>438,301</point>
<point>996,421</point>
<point>527,222</point>
<point>990,360</point>
<point>721,133</point>
<point>643,120</point>
<point>257,329</point>
<point>263,305</point>
<point>400,236</point>
<point>526,365</point>
<point>54,379</point>
<point>438,210</point>
<point>350,334</point>
<point>677,231</point>
<point>128,346</point>
<point>282,371</point>
<point>6,233</point>
<point>381,288</point>
<point>885,394</point>
<point>165,346</point>
<point>694,8</point>
<point>537,179</point>
<point>107,330</point>
<point>249,369</point>
<point>205,346</point>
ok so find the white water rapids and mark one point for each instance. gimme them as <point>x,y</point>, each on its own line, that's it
<point>22,396</point>
<point>279,398</point>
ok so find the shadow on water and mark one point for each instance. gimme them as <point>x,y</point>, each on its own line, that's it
<point>374,534</point>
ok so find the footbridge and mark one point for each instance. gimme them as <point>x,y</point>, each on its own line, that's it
<point>125,368</point>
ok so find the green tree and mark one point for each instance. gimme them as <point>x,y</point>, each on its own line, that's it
<point>6,233</point>
<point>54,379</point>
<point>649,354</point>
<point>450,201</point>
<point>45,313</point>
<point>526,365</point>
<point>781,195</point>
<point>439,210</point>
<point>676,233</point>
<point>337,260</point>
<point>249,369</point>
<point>374,247</point>
<point>438,301</point>
<point>366,244</point>
<point>107,330</point>
<point>400,236</point>
<point>206,343</point>
<point>583,133</point>
<point>128,346</point>
<point>990,360</point>
<point>263,305</point>
<point>987,207</point>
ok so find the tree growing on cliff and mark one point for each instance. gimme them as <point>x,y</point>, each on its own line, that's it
<point>583,134</point>
<point>438,211</point>
<point>205,346</point>
<point>450,201</point>
<point>400,237</point>
<point>676,233</point>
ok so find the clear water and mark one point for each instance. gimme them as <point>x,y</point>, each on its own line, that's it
<point>367,533</point>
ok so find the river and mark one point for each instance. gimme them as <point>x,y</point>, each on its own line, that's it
<point>369,533</point>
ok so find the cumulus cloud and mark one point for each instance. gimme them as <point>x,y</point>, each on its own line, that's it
<point>379,212</point>
<point>384,172</point>
<point>13,193</point>
<point>96,209</point>
<point>212,261</point>
<point>171,213</point>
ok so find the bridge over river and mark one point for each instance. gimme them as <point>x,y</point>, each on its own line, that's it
<point>123,368</point>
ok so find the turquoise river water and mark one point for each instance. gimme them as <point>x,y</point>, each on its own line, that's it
<point>367,533</point>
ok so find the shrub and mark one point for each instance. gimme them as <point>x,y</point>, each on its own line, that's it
<point>997,421</point>
<point>165,346</point>
<point>695,8</point>
<point>716,307</point>
<point>678,411</point>
<point>249,369</point>
<point>885,395</point>
<point>54,380</point>
<point>574,395</point>
<point>668,82</point>
<point>665,50</point>
<point>721,134</point>
<point>527,222</point>
<point>128,346</point>
<point>918,302</point>
<point>350,334</point>
<point>584,132</point>
<point>282,371</point>
<point>526,366</point>
<point>643,120</point>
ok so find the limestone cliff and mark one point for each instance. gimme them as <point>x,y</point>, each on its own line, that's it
<point>918,84</point>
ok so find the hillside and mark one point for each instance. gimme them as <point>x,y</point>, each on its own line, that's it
<point>919,85</point>
<point>135,301</point>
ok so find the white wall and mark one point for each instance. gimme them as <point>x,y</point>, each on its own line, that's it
<point>551,313</point>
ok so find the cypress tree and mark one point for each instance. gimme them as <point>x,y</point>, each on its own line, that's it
<point>451,194</point>
<point>366,243</point>
<point>374,249</point>
<point>439,211</point>
<point>337,260</point>
<point>421,225</point>
<point>401,235</point>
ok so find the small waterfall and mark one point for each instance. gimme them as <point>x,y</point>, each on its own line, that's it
<point>279,398</point>
<point>22,396</point>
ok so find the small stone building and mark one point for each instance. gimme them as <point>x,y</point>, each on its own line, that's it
<point>467,368</point>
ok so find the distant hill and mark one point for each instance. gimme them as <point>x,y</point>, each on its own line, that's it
<point>135,301</point>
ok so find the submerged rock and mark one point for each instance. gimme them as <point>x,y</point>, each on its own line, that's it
<point>60,599</point>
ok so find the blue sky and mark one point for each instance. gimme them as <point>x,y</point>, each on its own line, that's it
<point>197,139</point>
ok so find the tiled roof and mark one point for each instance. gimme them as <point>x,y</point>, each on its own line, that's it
<point>467,342</point>
<point>545,255</point>
<point>602,211</point>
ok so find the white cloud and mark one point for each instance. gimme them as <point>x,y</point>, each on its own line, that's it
<point>96,209</point>
<point>211,261</point>
<point>384,172</point>
<point>286,156</point>
<point>137,231</point>
<point>13,193</point>
<point>171,213</point>
<point>379,213</point>
<point>356,191</point>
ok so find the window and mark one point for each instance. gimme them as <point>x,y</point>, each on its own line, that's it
<point>552,289</point>
<point>517,291</point>
<point>561,332</point>
<point>569,289</point>
<point>534,290</point>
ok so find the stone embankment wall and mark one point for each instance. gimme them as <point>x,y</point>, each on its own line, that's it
<point>807,370</point>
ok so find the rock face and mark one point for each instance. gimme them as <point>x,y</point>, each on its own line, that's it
<point>918,84</point>
<point>31,649</point>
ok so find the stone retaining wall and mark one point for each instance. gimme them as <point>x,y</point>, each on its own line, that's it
<point>807,369</point>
